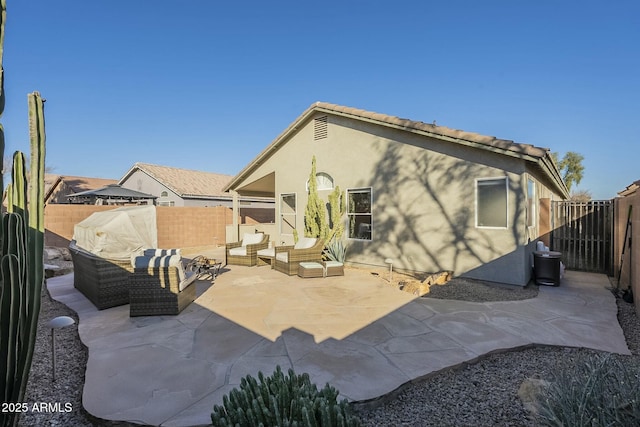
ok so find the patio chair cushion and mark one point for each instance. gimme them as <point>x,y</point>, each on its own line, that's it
<point>270,252</point>
<point>252,238</point>
<point>239,251</point>
<point>305,243</point>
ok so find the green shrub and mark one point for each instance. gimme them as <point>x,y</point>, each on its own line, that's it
<point>600,392</point>
<point>283,401</point>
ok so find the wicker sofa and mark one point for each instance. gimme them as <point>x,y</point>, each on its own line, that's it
<point>160,285</point>
<point>103,281</point>
<point>245,252</point>
<point>288,258</point>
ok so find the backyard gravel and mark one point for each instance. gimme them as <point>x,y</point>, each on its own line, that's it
<point>484,393</point>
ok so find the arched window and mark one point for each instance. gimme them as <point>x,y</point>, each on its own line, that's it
<point>164,194</point>
<point>323,181</point>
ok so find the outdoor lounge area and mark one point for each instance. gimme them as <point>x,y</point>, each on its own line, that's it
<point>353,331</point>
<point>254,250</point>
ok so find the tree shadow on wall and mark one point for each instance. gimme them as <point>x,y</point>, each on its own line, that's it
<point>424,210</point>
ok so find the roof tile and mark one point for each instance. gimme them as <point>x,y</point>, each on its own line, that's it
<point>186,182</point>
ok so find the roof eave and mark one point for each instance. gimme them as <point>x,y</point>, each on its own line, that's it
<point>550,169</point>
<point>529,153</point>
<point>272,147</point>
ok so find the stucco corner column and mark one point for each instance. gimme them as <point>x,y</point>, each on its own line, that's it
<point>236,214</point>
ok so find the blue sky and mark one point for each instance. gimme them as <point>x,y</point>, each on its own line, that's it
<point>207,85</point>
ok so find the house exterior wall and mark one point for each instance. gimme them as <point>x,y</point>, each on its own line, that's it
<point>541,227</point>
<point>59,193</point>
<point>424,197</point>
<point>140,181</point>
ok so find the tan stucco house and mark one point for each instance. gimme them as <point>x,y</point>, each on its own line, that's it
<point>429,197</point>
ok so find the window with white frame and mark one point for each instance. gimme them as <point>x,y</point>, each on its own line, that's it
<point>163,200</point>
<point>287,213</point>
<point>531,203</point>
<point>491,202</point>
<point>359,213</point>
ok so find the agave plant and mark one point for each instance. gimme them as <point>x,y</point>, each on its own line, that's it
<point>336,251</point>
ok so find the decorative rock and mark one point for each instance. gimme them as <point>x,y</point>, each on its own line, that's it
<point>50,270</point>
<point>51,252</point>
<point>415,287</point>
<point>438,278</point>
<point>528,392</point>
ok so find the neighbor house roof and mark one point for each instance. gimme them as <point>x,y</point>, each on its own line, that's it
<point>73,184</point>
<point>184,182</point>
<point>631,189</point>
<point>540,156</point>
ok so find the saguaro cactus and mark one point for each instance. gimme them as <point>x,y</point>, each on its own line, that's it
<point>21,255</point>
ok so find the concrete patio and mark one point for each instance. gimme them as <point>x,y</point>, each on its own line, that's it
<point>355,332</point>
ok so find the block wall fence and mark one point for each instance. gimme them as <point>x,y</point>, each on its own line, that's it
<point>178,227</point>
<point>630,272</point>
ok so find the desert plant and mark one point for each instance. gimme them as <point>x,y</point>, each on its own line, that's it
<point>315,214</point>
<point>21,255</point>
<point>599,392</point>
<point>284,401</point>
<point>337,211</point>
<point>335,250</point>
<point>315,219</point>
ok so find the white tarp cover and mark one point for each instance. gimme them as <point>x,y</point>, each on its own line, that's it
<point>118,233</point>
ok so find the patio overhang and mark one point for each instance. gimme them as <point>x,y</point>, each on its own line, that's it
<point>261,187</point>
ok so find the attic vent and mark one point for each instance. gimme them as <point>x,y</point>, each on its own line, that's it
<point>320,128</point>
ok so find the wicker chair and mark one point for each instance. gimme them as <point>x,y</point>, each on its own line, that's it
<point>160,286</point>
<point>103,281</point>
<point>287,258</point>
<point>246,254</point>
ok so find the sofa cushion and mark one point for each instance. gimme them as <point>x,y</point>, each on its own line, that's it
<point>156,261</point>
<point>189,278</point>
<point>305,243</point>
<point>160,252</point>
<point>239,251</point>
<point>186,277</point>
<point>282,256</point>
<point>252,238</point>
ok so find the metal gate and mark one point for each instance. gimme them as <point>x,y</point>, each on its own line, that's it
<point>583,232</point>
